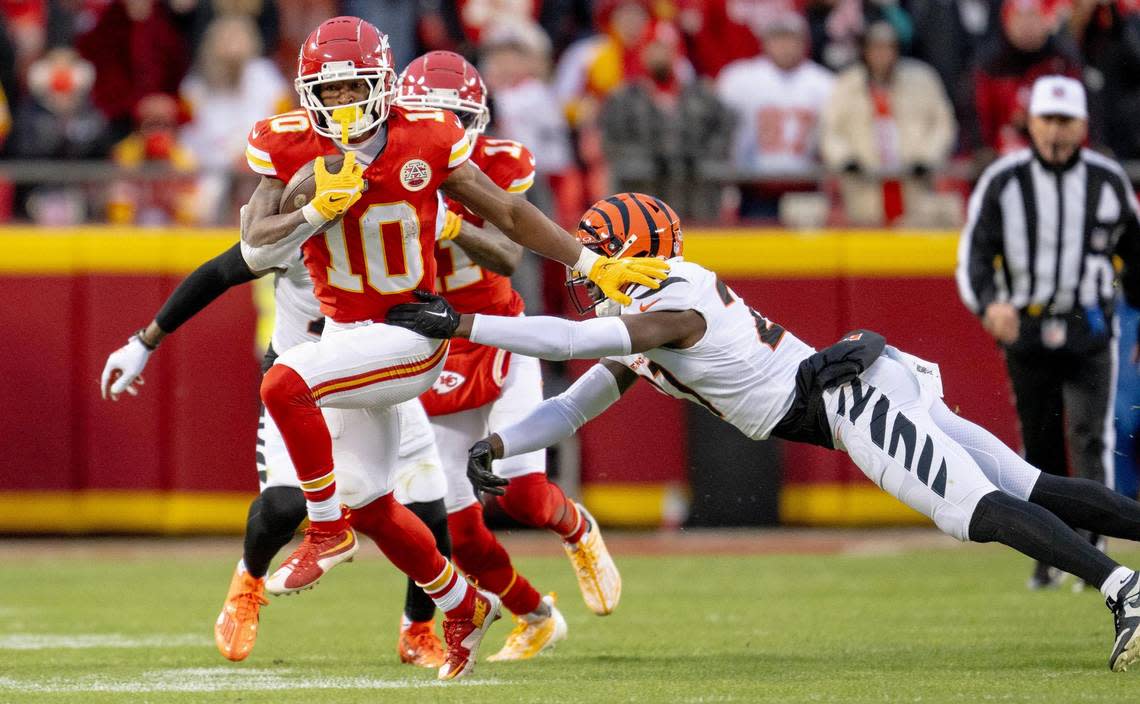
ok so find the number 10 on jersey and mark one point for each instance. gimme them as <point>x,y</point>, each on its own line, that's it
<point>393,254</point>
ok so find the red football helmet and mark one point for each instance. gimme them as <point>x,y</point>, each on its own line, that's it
<point>446,80</point>
<point>346,49</point>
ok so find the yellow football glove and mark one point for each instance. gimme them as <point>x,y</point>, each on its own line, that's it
<point>612,274</point>
<point>337,192</point>
<point>451,225</point>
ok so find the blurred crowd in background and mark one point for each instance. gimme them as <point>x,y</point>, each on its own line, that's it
<point>804,112</point>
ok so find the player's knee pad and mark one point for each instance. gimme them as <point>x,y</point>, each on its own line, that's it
<point>280,509</point>
<point>530,500</point>
<point>282,386</point>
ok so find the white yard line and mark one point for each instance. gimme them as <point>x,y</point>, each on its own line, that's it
<point>221,679</point>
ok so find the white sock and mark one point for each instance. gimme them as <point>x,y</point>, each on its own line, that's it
<point>241,568</point>
<point>327,510</point>
<point>405,622</point>
<point>1116,580</point>
<point>452,598</point>
<point>447,590</point>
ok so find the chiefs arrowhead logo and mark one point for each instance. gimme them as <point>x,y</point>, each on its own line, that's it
<point>415,174</point>
<point>447,382</point>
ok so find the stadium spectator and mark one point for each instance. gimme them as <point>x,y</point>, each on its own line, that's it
<point>153,143</point>
<point>515,64</point>
<point>837,25</point>
<point>887,128</point>
<point>667,136</point>
<point>1108,34</point>
<point>1026,49</point>
<point>229,89</point>
<point>777,100</point>
<point>949,37</point>
<point>194,17</point>
<point>55,121</point>
<point>137,51</point>
<point>719,32</point>
<point>402,22</point>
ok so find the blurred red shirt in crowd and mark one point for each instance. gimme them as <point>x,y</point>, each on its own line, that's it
<point>1027,50</point>
<point>136,51</point>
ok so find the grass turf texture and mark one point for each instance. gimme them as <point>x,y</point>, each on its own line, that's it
<point>930,625</point>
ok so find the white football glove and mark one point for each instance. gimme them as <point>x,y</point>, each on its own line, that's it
<point>121,373</point>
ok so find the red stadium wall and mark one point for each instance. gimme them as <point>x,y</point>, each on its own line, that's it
<point>179,457</point>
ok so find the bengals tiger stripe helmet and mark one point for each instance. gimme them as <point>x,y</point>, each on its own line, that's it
<point>620,226</point>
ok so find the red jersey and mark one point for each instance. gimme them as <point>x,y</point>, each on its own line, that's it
<point>375,256</point>
<point>467,286</point>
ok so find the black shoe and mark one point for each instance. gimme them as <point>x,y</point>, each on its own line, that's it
<point>1126,617</point>
<point>1045,577</point>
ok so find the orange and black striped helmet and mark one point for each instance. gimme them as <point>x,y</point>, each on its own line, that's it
<point>631,225</point>
<point>620,226</point>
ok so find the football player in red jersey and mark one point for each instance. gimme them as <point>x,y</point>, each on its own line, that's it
<point>482,388</point>
<point>371,256</point>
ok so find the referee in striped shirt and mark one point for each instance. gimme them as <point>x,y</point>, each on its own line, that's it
<point>1035,261</point>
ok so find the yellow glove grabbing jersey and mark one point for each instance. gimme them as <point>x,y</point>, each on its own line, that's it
<point>612,275</point>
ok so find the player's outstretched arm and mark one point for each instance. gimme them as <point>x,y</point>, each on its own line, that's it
<point>552,421</point>
<point>526,224</point>
<point>486,245</point>
<point>552,338</point>
<point>204,285</point>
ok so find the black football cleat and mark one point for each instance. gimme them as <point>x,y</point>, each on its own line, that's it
<point>1126,617</point>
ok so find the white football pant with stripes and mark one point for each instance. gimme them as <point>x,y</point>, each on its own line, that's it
<point>897,430</point>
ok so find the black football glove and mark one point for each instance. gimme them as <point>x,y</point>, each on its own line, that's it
<point>433,317</point>
<point>838,364</point>
<point>479,459</point>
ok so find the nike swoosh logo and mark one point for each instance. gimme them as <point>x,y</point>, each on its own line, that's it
<point>336,198</point>
<point>646,306</point>
<point>438,315</point>
<point>348,539</point>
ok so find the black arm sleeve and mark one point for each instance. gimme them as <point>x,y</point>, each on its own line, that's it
<point>200,288</point>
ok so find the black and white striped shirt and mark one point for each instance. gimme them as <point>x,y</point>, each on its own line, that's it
<point>1042,238</point>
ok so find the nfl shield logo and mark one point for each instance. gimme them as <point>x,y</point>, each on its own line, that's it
<point>415,174</point>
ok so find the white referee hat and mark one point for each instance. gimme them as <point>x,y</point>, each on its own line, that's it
<point>1058,95</point>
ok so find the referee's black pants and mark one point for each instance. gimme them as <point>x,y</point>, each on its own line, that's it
<point>1058,391</point>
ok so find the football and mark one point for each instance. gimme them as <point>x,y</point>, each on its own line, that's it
<point>303,186</point>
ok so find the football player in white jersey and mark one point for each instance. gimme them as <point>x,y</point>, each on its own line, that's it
<point>777,98</point>
<point>417,481</point>
<point>694,338</point>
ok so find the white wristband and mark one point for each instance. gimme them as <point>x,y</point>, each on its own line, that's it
<point>312,216</point>
<point>586,261</point>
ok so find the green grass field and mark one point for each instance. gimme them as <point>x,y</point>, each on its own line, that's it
<point>131,622</point>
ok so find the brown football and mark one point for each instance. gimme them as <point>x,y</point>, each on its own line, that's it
<point>303,186</point>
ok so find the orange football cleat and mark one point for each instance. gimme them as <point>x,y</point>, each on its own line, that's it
<point>463,635</point>
<point>235,631</point>
<point>319,552</point>
<point>420,646</point>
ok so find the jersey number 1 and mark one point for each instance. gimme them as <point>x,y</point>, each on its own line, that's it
<point>393,255</point>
